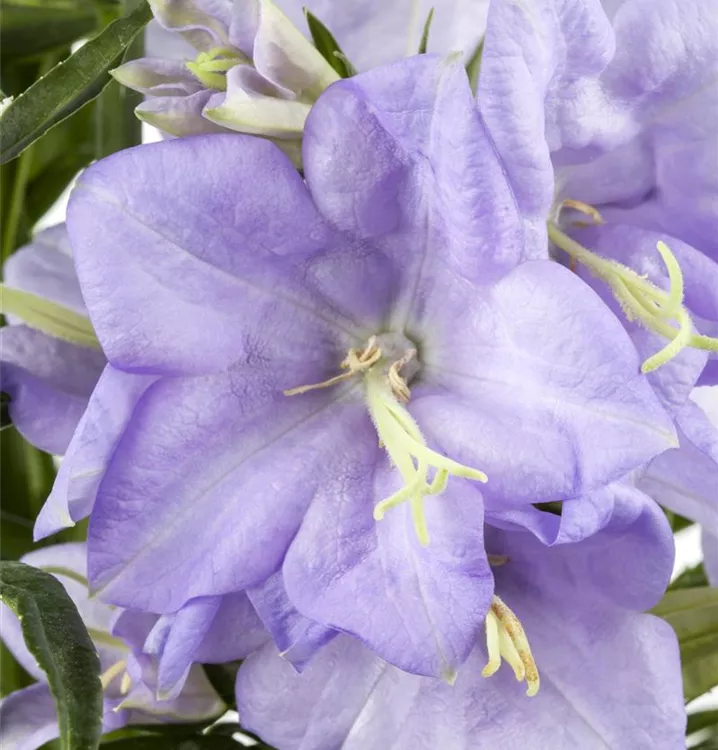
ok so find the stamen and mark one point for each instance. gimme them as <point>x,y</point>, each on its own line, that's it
<point>497,560</point>
<point>398,432</point>
<point>112,672</point>
<point>584,208</point>
<point>505,634</point>
<point>126,684</point>
<point>354,362</point>
<point>643,301</point>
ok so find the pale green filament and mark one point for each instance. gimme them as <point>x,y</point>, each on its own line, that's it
<point>210,68</point>
<point>49,317</point>
<point>506,639</point>
<point>402,438</point>
<point>643,301</point>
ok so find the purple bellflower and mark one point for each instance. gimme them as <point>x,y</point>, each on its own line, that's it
<point>49,357</point>
<point>254,72</point>
<point>611,111</point>
<point>27,717</point>
<point>610,676</point>
<point>325,357</point>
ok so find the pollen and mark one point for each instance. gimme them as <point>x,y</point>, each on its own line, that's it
<point>387,363</point>
<point>506,639</point>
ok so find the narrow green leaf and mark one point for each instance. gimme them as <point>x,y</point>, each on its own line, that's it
<point>710,744</point>
<point>693,614</point>
<point>701,720</point>
<point>48,317</point>
<point>473,66</point>
<point>69,85</point>
<point>172,742</point>
<point>29,31</point>
<point>55,635</point>
<point>424,43</point>
<point>328,46</point>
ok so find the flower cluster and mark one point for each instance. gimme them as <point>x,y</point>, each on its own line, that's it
<point>379,424</point>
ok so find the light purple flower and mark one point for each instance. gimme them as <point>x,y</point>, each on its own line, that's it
<point>254,72</point>
<point>405,230</point>
<point>613,108</point>
<point>610,677</point>
<point>48,380</point>
<point>27,716</point>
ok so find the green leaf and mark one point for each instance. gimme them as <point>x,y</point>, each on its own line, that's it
<point>701,720</point>
<point>473,66</point>
<point>56,636</point>
<point>678,523</point>
<point>172,742</point>
<point>424,43</point>
<point>69,85</point>
<point>30,31</point>
<point>693,614</point>
<point>690,578</point>
<point>328,46</point>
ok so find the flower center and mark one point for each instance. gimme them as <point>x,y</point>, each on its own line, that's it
<point>210,68</point>
<point>387,364</point>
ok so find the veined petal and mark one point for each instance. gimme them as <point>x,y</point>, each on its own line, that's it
<point>178,115</point>
<point>348,697</point>
<point>95,437</point>
<point>284,56</point>
<point>540,387</point>
<point>237,438</point>
<point>539,87</point>
<point>27,718</point>
<point>49,382</point>
<point>203,23</point>
<point>419,172</point>
<point>297,637</point>
<point>155,77</point>
<point>418,607</point>
<point>170,285</point>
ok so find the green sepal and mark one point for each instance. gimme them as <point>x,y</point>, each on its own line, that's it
<point>424,42</point>
<point>328,46</point>
<point>56,636</point>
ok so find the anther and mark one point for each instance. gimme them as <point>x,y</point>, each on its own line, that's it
<point>585,208</point>
<point>505,638</point>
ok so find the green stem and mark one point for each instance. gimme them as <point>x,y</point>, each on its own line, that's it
<point>17,201</point>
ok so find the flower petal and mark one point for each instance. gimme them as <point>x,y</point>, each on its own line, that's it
<point>98,430</point>
<point>44,267</point>
<point>539,88</point>
<point>171,285</point>
<point>202,23</point>
<point>158,536</point>
<point>157,77</point>
<point>685,479</point>
<point>178,115</point>
<point>27,718</point>
<point>49,382</point>
<point>297,637</point>
<point>418,178</point>
<point>419,608</point>
<point>540,388</point>
<point>348,697</point>
<point>619,527</point>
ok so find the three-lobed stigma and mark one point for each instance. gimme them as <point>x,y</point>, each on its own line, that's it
<point>382,363</point>
<point>210,68</point>
<point>658,310</point>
